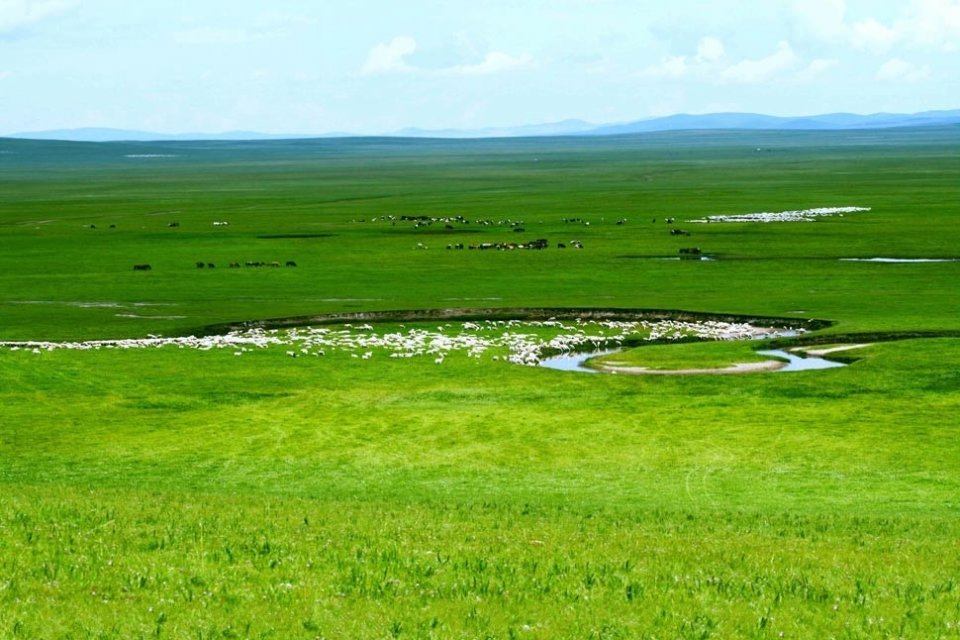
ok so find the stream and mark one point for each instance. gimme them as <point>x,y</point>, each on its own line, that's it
<point>575,361</point>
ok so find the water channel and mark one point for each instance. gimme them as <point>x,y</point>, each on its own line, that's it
<point>795,362</point>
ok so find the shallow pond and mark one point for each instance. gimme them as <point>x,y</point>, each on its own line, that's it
<point>801,363</point>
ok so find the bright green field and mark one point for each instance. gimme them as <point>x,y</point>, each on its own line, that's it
<point>196,494</point>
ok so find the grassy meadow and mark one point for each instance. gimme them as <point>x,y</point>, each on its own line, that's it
<point>189,493</point>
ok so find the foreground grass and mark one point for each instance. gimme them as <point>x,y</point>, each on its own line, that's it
<point>128,564</point>
<point>346,498</point>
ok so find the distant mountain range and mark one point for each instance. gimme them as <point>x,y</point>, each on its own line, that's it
<point>680,122</point>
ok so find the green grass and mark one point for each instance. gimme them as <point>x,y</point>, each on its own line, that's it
<point>196,494</point>
<point>324,188</point>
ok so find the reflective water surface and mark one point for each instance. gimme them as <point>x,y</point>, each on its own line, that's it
<point>575,361</point>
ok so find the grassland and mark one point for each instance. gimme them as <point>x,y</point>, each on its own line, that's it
<point>196,494</point>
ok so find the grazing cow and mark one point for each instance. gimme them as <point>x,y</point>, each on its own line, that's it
<point>669,220</point>
<point>173,224</point>
<point>142,267</point>
<point>234,265</point>
<point>274,264</point>
<point>679,232</point>
<point>200,265</point>
<point>560,245</point>
<point>291,263</point>
<point>210,265</point>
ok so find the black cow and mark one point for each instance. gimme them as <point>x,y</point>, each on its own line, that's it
<point>142,267</point>
<point>291,263</point>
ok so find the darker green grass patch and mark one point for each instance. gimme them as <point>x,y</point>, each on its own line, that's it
<point>295,236</point>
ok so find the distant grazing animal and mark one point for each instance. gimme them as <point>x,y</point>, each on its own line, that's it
<point>234,265</point>
<point>220,223</point>
<point>200,265</point>
<point>560,245</point>
<point>142,267</point>
<point>291,263</point>
<point>210,265</point>
<point>173,224</point>
<point>679,232</point>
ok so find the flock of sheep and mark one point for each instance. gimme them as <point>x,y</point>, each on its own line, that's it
<point>514,341</point>
<point>802,215</point>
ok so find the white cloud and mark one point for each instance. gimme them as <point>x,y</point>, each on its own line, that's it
<point>709,49</point>
<point>872,35</point>
<point>816,68</point>
<point>827,20</point>
<point>494,62</point>
<point>668,67</point>
<point>934,24</point>
<point>824,18</point>
<point>897,70</point>
<point>389,57</point>
<point>762,69</point>
<point>15,14</point>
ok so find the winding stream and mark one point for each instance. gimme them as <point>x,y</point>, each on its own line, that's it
<point>576,361</point>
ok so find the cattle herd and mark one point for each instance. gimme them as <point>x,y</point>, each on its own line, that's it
<point>200,264</point>
<point>451,223</point>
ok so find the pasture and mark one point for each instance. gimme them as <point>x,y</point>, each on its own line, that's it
<point>197,493</point>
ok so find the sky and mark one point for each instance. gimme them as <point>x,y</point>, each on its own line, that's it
<point>379,66</point>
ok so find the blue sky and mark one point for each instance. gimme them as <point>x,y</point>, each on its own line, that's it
<point>375,66</point>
